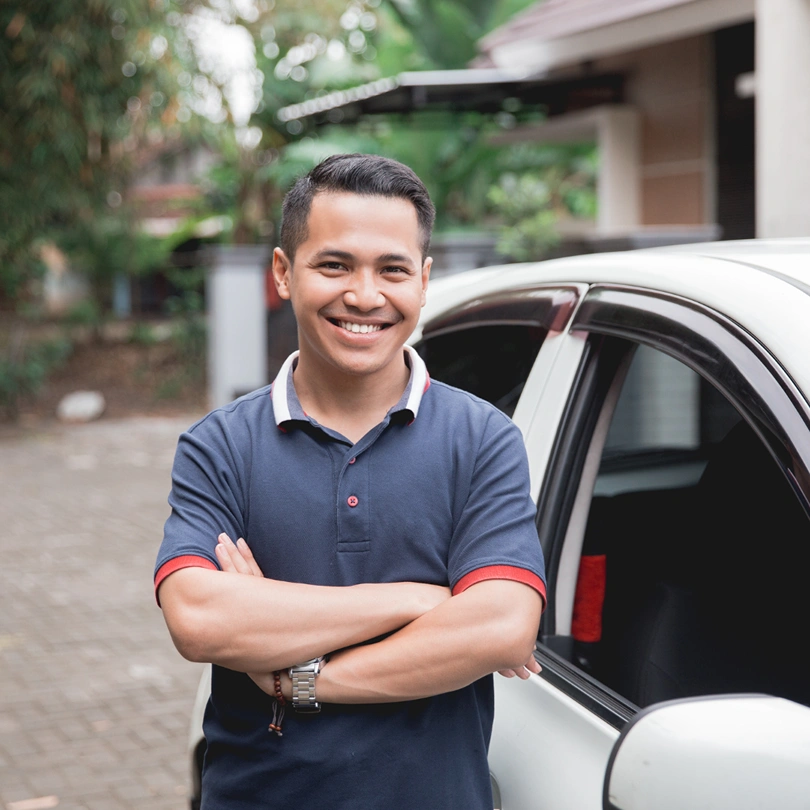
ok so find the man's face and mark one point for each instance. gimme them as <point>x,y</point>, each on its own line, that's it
<point>357,283</point>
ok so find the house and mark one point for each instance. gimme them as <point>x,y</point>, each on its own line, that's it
<point>699,108</point>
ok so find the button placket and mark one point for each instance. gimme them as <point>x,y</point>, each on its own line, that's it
<point>352,507</point>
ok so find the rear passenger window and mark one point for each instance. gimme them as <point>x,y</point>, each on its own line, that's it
<point>491,361</point>
<point>696,552</point>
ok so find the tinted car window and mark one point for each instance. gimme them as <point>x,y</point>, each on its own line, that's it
<point>491,361</point>
<point>691,577</point>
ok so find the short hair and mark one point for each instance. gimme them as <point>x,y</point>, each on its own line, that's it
<point>367,175</point>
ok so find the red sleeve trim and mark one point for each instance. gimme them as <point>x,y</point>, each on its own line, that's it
<point>187,561</point>
<point>501,572</point>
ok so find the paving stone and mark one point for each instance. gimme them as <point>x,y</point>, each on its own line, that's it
<point>95,701</point>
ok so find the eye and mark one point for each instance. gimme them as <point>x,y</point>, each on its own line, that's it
<point>332,266</point>
<point>395,269</point>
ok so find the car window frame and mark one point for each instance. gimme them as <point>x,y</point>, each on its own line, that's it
<point>616,319</point>
<point>546,306</point>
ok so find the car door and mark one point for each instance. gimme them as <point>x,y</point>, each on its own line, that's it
<point>513,349</point>
<point>673,509</point>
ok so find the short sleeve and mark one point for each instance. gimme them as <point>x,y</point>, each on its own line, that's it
<point>495,536</point>
<point>206,498</point>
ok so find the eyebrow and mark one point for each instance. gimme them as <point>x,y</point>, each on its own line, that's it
<point>335,253</point>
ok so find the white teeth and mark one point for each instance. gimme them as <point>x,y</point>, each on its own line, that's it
<point>362,328</point>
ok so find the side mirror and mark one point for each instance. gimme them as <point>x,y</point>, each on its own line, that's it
<point>732,752</point>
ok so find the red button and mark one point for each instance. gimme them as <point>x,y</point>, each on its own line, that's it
<point>352,501</point>
<point>352,460</point>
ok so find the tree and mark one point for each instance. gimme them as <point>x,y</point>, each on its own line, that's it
<point>446,31</point>
<point>82,84</point>
<point>361,40</point>
<point>300,53</point>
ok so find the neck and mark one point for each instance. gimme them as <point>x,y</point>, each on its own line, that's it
<point>350,404</point>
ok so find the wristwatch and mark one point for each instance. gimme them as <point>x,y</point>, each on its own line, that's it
<point>303,685</point>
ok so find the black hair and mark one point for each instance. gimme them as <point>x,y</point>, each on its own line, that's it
<point>368,175</point>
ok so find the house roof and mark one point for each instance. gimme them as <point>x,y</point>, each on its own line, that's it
<point>551,19</point>
<point>555,32</point>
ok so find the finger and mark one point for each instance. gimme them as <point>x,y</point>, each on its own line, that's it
<point>507,673</point>
<point>225,562</point>
<point>247,554</point>
<point>226,554</point>
<point>240,564</point>
<point>229,557</point>
<point>533,666</point>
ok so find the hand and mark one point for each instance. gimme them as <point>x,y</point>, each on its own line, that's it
<point>236,558</point>
<point>531,666</point>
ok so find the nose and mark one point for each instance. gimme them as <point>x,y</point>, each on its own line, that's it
<point>364,291</point>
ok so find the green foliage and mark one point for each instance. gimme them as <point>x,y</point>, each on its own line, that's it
<point>539,187</point>
<point>83,83</point>
<point>24,367</point>
<point>446,31</point>
<point>524,202</point>
<point>451,153</point>
<point>107,244</point>
<point>142,334</point>
<point>90,87</point>
<point>189,332</point>
<point>85,314</point>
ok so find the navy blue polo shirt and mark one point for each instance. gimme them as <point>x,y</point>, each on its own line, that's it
<point>438,492</point>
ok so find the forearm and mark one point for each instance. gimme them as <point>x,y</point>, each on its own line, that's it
<point>490,627</point>
<point>254,624</point>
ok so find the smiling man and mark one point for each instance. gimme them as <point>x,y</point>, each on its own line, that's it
<point>387,560</point>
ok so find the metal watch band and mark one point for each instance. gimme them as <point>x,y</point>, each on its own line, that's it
<point>303,685</point>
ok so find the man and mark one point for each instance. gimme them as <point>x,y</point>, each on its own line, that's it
<point>362,495</point>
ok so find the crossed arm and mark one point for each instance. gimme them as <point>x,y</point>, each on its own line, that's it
<point>238,619</point>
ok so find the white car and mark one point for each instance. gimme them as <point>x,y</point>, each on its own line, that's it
<point>664,400</point>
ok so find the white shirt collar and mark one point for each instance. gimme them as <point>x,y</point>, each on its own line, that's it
<point>287,406</point>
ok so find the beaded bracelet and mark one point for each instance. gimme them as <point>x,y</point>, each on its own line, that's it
<point>278,705</point>
<point>277,687</point>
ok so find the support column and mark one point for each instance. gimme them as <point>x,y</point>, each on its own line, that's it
<point>619,182</point>
<point>783,117</point>
<point>237,322</point>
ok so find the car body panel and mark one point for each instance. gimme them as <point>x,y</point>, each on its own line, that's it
<point>548,752</point>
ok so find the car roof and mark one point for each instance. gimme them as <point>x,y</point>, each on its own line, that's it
<point>762,285</point>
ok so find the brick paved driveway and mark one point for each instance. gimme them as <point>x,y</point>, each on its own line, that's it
<point>94,700</point>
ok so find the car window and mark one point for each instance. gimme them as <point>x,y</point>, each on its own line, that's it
<point>491,361</point>
<point>691,576</point>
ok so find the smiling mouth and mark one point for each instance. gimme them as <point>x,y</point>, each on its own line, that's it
<point>359,328</point>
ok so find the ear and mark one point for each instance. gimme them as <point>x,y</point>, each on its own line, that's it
<point>282,271</point>
<point>426,277</point>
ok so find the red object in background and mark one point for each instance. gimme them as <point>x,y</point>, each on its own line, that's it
<point>589,599</point>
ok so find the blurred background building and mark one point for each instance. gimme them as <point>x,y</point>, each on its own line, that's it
<point>699,109</point>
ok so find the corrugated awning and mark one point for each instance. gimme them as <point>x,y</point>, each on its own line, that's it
<point>484,90</point>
